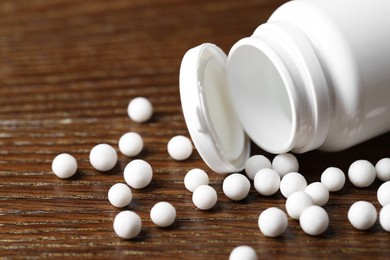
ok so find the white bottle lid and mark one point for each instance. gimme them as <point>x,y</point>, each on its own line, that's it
<point>211,120</point>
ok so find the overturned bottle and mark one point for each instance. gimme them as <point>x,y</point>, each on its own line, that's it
<point>316,75</point>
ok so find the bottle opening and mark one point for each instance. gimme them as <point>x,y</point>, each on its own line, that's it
<point>260,91</point>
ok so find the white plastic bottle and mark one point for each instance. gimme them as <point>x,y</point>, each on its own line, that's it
<point>316,75</point>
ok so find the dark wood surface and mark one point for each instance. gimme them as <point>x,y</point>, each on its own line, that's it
<point>68,69</point>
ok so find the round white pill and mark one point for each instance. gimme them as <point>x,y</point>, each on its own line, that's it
<point>179,147</point>
<point>361,173</point>
<point>236,186</point>
<point>285,163</point>
<point>163,214</point>
<point>120,195</point>
<point>138,174</point>
<point>243,253</point>
<point>333,178</point>
<point>362,215</point>
<point>314,220</point>
<point>272,222</point>
<point>384,217</point>
<point>195,178</point>
<point>318,192</point>
<point>254,164</point>
<point>383,194</point>
<point>140,109</point>
<point>131,144</point>
<point>103,157</point>
<point>127,224</point>
<point>382,168</point>
<point>292,182</point>
<point>204,197</point>
<point>64,165</point>
<point>267,182</point>
<point>297,202</point>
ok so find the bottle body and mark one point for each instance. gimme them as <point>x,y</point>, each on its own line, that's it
<point>316,75</point>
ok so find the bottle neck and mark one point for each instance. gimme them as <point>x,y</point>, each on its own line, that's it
<point>279,90</point>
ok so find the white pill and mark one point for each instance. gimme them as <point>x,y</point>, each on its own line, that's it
<point>195,178</point>
<point>382,168</point>
<point>285,163</point>
<point>361,173</point>
<point>120,195</point>
<point>384,217</point>
<point>140,109</point>
<point>362,215</point>
<point>318,192</point>
<point>179,147</point>
<point>383,194</point>
<point>64,165</point>
<point>163,214</point>
<point>103,157</point>
<point>204,197</point>
<point>243,253</point>
<point>292,182</point>
<point>267,182</point>
<point>272,222</point>
<point>138,174</point>
<point>297,202</point>
<point>131,144</point>
<point>236,186</point>
<point>127,224</point>
<point>314,220</point>
<point>254,164</point>
<point>333,178</point>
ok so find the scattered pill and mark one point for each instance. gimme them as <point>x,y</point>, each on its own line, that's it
<point>204,197</point>
<point>297,202</point>
<point>163,214</point>
<point>236,186</point>
<point>254,164</point>
<point>382,168</point>
<point>179,147</point>
<point>292,182</point>
<point>362,215</point>
<point>195,178</point>
<point>243,253</point>
<point>273,222</point>
<point>318,192</point>
<point>333,178</point>
<point>120,195</point>
<point>384,217</point>
<point>64,165</point>
<point>314,220</point>
<point>103,157</point>
<point>267,182</point>
<point>361,173</point>
<point>285,163</point>
<point>383,194</point>
<point>140,109</point>
<point>127,224</point>
<point>131,144</point>
<point>138,174</point>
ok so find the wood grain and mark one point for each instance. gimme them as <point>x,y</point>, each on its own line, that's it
<point>68,69</point>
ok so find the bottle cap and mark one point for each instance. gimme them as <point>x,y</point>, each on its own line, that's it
<point>211,120</point>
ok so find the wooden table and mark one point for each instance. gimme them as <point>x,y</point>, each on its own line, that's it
<point>68,69</point>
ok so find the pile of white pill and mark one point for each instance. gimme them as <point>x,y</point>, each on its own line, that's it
<point>137,174</point>
<point>304,202</point>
